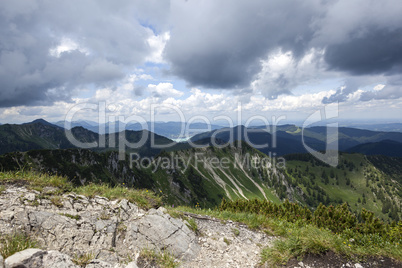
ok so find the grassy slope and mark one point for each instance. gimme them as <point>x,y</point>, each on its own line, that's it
<point>298,239</point>
<point>364,178</point>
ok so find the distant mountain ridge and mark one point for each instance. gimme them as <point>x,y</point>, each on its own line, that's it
<point>287,139</point>
<point>384,147</point>
<point>41,134</point>
<point>171,130</point>
<point>388,127</point>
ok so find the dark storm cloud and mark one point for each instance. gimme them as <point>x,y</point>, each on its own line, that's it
<point>377,51</point>
<point>219,44</point>
<point>107,35</point>
<point>213,44</point>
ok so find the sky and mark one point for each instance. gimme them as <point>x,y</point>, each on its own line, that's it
<point>200,60</point>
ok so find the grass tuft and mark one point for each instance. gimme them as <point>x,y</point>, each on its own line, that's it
<point>83,260</point>
<point>192,225</point>
<point>143,198</point>
<point>152,258</point>
<point>74,217</point>
<point>15,242</point>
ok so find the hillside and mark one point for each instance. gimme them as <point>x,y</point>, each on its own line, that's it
<point>35,135</point>
<point>362,182</point>
<point>183,177</point>
<point>203,176</point>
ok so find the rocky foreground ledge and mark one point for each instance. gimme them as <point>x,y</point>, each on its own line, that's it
<point>113,233</point>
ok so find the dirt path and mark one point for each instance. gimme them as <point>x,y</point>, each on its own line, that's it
<point>227,244</point>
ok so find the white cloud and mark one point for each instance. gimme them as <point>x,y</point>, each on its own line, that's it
<point>164,90</point>
<point>281,72</point>
<point>379,87</point>
<point>66,45</point>
<point>157,44</point>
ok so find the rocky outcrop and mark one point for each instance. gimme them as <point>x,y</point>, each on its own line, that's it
<point>111,231</point>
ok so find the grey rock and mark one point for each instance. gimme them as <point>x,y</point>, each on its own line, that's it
<point>37,258</point>
<point>30,196</point>
<point>1,262</point>
<point>98,264</point>
<point>160,231</point>
<point>132,265</point>
<point>57,259</point>
<point>113,231</point>
<point>28,258</point>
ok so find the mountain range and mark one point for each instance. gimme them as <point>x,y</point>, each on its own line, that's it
<point>41,134</point>
<point>287,139</point>
<point>284,139</point>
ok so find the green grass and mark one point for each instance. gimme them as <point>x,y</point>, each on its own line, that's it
<point>74,217</point>
<point>158,259</point>
<point>144,198</point>
<point>301,240</point>
<point>363,170</point>
<point>83,260</point>
<point>34,179</point>
<point>236,232</point>
<point>15,242</point>
<point>192,225</point>
<point>297,239</point>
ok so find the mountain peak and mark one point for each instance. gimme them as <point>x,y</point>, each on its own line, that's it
<point>41,121</point>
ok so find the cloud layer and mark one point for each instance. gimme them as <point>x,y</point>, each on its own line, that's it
<point>225,45</point>
<point>271,54</point>
<point>49,49</point>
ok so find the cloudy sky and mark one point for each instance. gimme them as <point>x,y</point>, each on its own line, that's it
<point>200,58</point>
